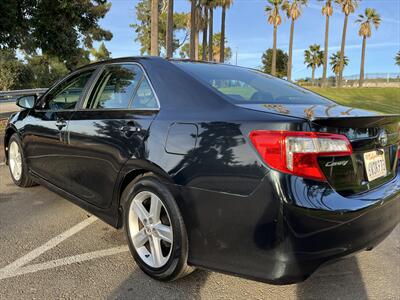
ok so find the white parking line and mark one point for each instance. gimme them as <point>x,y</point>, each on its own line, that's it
<point>64,261</point>
<point>18,266</point>
<point>47,246</point>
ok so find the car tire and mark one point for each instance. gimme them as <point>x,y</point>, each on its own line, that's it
<point>174,265</point>
<point>17,163</point>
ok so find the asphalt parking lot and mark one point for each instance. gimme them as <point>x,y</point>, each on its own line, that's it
<point>50,248</point>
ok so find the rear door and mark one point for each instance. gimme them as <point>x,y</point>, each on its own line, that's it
<point>108,129</point>
<point>44,134</point>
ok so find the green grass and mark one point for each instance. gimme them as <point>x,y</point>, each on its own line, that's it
<point>385,100</point>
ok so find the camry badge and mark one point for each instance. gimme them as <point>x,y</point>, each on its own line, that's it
<point>383,138</point>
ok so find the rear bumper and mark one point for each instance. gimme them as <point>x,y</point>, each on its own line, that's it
<point>321,225</point>
<point>319,236</point>
<point>287,228</point>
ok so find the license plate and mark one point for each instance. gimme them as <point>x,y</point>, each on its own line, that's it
<point>375,164</point>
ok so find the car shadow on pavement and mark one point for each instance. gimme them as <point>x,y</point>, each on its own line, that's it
<point>339,280</point>
<point>140,286</point>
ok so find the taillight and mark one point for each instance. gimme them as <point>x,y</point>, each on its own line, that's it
<point>296,152</point>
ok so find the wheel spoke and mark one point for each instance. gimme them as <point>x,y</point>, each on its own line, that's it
<point>164,232</point>
<point>140,210</point>
<point>155,248</point>
<point>140,238</point>
<point>155,208</point>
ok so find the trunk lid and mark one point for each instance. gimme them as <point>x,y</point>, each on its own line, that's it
<point>374,138</point>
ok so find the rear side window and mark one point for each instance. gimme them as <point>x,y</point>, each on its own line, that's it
<point>116,87</point>
<point>247,86</point>
<point>144,98</point>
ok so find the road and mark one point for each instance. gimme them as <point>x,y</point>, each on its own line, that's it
<point>50,248</point>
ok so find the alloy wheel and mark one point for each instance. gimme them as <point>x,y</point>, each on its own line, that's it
<point>15,160</point>
<point>150,229</point>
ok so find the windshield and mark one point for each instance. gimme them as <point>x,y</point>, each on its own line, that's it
<point>246,86</point>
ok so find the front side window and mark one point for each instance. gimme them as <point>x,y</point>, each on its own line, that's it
<point>116,87</point>
<point>247,86</point>
<point>67,94</point>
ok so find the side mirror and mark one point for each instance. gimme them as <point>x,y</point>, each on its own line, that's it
<point>27,101</point>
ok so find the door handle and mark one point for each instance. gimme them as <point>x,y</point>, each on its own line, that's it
<point>60,123</point>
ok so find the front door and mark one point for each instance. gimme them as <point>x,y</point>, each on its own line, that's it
<point>108,129</point>
<point>45,132</point>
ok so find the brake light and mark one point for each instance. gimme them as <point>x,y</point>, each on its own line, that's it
<point>296,152</point>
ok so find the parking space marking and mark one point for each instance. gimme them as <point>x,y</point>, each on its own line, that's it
<point>64,261</point>
<point>19,263</point>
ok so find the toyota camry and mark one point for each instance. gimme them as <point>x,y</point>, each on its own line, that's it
<point>212,166</point>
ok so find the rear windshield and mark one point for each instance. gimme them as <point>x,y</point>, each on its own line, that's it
<point>246,86</point>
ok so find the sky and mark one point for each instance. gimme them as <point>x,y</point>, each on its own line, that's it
<point>249,34</point>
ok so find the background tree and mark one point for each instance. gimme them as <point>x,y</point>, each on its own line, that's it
<point>193,8</point>
<point>101,53</point>
<point>370,16</point>
<point>281,62</point>
<point>348,7</point>
<point>142,27</point>
<point>170,29</point>
<point>313,58</point>
<point>205,8</point>
<point>211,5</point>
<point>397,58</point>
<point>327,11</point>
<point>154,50</point>
<point>14,74</point>
<point>46,70</point>
<point>337,63</point>
<point>184,51</point>
<point>293,12</point>
<point>275,19</point>
<point>225,4</point>
<point>58,28</point>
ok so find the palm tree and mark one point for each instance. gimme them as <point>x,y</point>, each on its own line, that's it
<point>154,28</point>
<point>205,28</point>
<point>192,29</point>
<point>348,7</point>
<point>225,4</point>
<point>293,12</point>
<point>327,11</point>
<point>313,58</point>
<point>211,6</point>
<point>370,16</point>
<point>170,28</point>
<point>397,58</point>
<point>197,31</point>
<point>338,62</point>
<point>275,19</point>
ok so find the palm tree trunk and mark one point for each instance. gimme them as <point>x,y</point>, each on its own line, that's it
<point>170,28</point>
<point>346,17</point>
<point>154,28</point>
<point>222,46</point>
<point>313,76</point>
<point>289,65</point>
<point>325,67</point>
<point>364,44</point>
<point>204,54</point>
<point>210,36</point>
<point>273,65</point>
<point>196,41</point>
<point>192,29</point>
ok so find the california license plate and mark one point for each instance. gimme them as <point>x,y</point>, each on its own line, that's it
<point>375,164</point>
